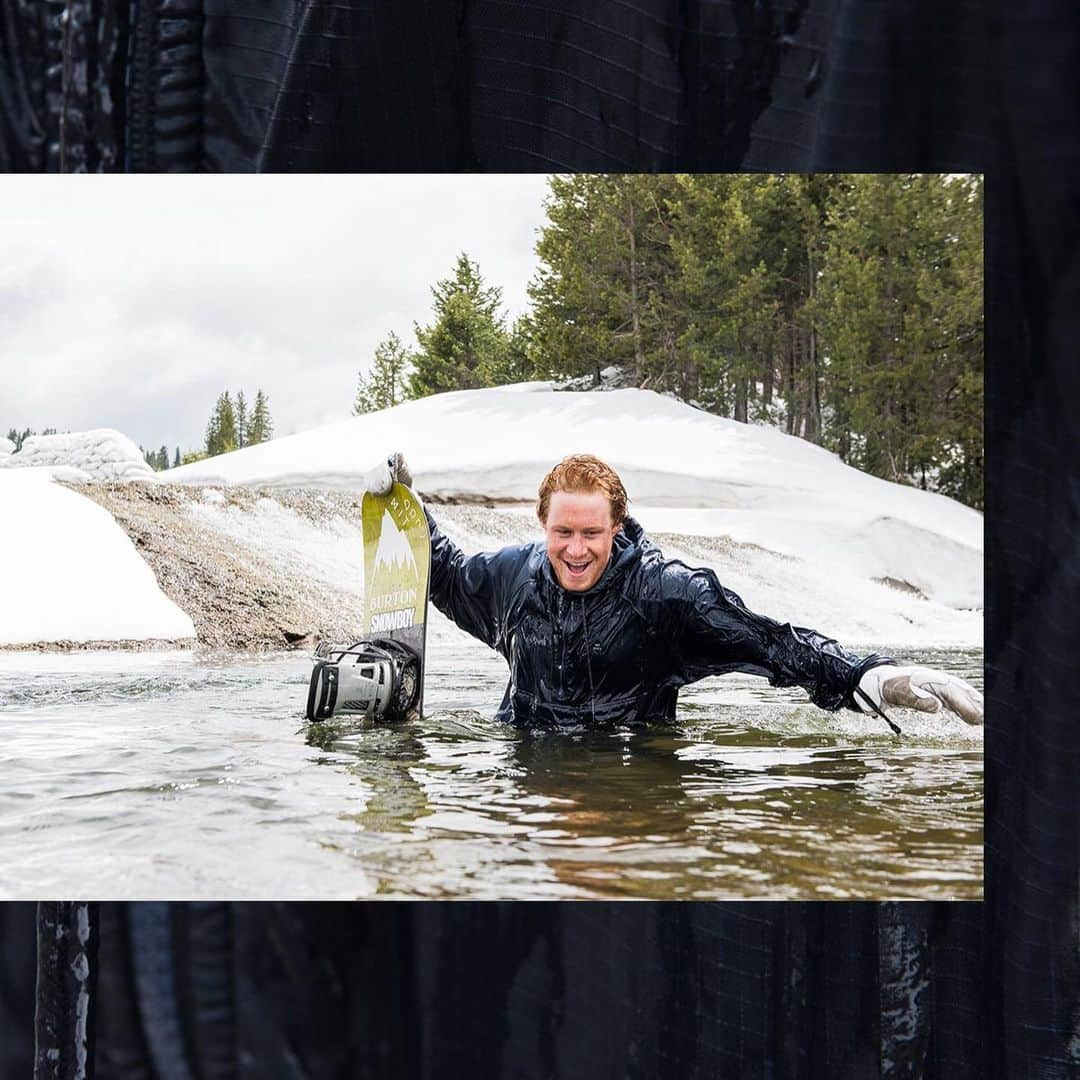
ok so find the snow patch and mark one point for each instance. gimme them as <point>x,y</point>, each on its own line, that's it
<point>331,553</point>
<point>68,572</point>
<point>101,454</point>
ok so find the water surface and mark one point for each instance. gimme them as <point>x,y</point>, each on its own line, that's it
<point>187,775</point>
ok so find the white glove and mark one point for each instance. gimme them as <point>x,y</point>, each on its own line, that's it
<point>383,476</point>
<point>923,689</point>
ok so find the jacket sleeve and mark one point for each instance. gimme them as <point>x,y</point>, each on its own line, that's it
<point>715,632</point>
<point>466,588</point>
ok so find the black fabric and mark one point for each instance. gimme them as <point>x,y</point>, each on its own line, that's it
<point>1032,525</point>
<point>534,990</point>
<point>620,651</point>
<point>517,85</point>
<point>18,964</point>
<point>218,991</point>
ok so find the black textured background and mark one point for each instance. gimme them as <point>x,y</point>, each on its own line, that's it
<point>520,85</point>
<point>631,989</point>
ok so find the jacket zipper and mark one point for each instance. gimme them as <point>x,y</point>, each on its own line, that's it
<point>560,651</point>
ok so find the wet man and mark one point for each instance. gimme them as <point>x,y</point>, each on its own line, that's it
<point>597,626</point>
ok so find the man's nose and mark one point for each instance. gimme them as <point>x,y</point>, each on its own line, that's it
<point>576,546</point>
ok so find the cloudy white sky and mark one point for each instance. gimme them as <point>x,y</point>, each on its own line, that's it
<point>131,302</point>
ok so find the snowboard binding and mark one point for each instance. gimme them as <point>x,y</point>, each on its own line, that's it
<point>378,679</point>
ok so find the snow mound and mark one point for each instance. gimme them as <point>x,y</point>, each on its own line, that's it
<point>68,572</point>
<point>6,447</point>
<point>687,472</point>
<point>101,454</point>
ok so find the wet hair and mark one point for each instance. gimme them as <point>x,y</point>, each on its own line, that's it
<point>583,472</point>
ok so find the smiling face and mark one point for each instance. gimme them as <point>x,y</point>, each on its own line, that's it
<point>579,534</point>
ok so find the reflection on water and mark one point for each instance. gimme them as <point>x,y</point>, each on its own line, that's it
<point>187,775</point>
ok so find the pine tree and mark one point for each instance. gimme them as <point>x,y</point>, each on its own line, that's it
<point>221,430</point>
<point>386,384</point>
<point>261,427</point>
<point>517,363</point>
<point>948,337</point>
<point>717,287</point>
<point>241,419</point>
<point>901,310</point>
<point>603,293</point>
<point>213,433</point>
<point>163,459</point>
<point>462,346</point>
<point>19,437</point>
<point>228,424</point>
<point>176,459</point>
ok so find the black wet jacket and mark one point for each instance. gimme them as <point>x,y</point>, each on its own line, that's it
<point>620,650</point>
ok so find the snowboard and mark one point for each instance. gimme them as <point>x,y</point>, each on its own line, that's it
<point>397,572</point>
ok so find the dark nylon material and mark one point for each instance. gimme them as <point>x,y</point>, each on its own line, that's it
<point>620,651</point>
<point>516,85</point>
<point>325,991</point>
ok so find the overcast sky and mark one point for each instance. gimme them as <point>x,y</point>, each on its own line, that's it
<point>132,302</point>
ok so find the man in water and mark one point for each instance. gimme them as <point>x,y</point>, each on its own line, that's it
<point>597,626</point>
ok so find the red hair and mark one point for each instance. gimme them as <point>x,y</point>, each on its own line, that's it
<point>583,472</point>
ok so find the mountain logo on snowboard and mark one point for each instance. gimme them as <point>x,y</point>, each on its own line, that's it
<point>394,554</point>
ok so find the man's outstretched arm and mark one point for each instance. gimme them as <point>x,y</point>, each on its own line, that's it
<point>716,633</point>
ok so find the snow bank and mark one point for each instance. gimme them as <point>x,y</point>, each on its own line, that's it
<point>6,447</point>
<point>102,454</point>
<point>687,472</point>
<point>68,572</point>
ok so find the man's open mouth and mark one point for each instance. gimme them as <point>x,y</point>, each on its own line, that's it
<point>577,569</point>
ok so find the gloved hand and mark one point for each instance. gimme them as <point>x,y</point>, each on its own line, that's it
<point>923,689</point>
<point>393,470</point>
